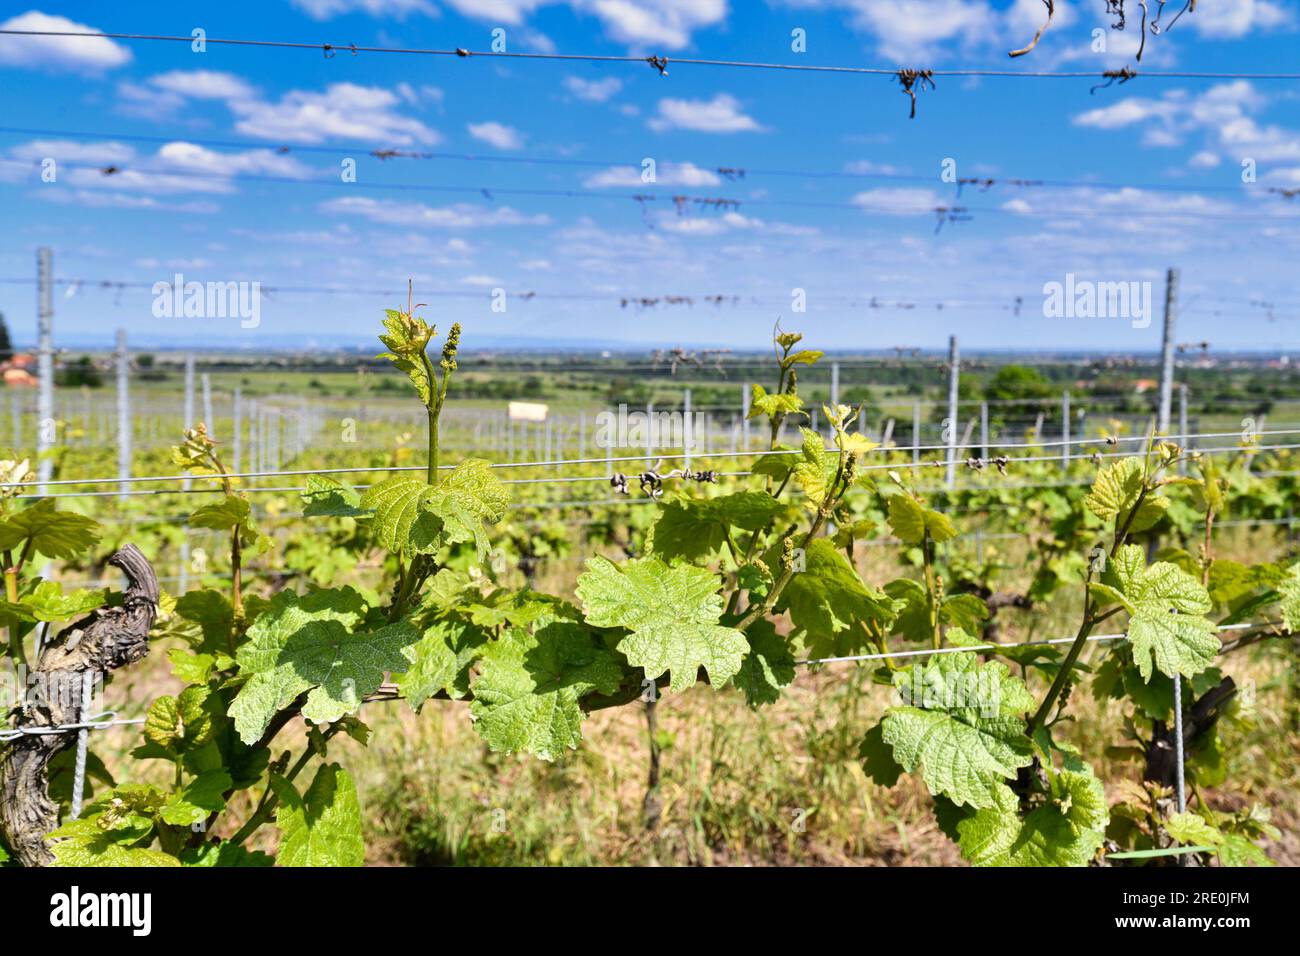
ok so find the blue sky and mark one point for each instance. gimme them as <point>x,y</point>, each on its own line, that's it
<point>849,219</point>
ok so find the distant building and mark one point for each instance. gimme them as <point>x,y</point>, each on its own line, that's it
<point>17,371</point>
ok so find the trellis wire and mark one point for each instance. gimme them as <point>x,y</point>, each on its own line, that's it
<point>100,721</point>
<point>931,651</point>
<point>570,479</point>
<point>672,455</point>
<point>109,718</point>
<point>659,62</point>
<point>353,149</point>
<point>482,193</point>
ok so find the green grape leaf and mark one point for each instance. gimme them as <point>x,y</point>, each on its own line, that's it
<point>212,612</point>
<point>223,854</point>
<point>442,661</point>
<point>326,497</point>
<point>92,849</point>
<point>803,357</point>
<point>162,722</point>
<point>961,721</point>
<point>768,667</point>
<point>694,528</point>
<point>113,830</point>
<point>816,469</point>
<point>1239,850</point>
<point>1115,492</point>
<point>1165,605</point>
<point>1289,604</point>
<point>230,512</point>
<point>910,520</point>
<point>407,337</point>
<point>830,606</point>
<point>322,827</point>
<point>191,668</point>
<point>1192,829</point>
<point>1066,830</point>
<point>312,643</point>
<point>203,795</point>
<point>400,521</point>
<point>774,464</point>
<point>413,516</point>
<point>47,602</point>
<point>672,614</point>
<point>464,500</point>
<point>56,534</point>
<point>526,697</point>
<point>765,405</point>
<point>966,612</point>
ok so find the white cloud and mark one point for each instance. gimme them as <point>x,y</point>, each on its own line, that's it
<point>343,110</point>
<point>203,85</point>
<point>177,167</point>
<point>666,24</point>
<point>421,94</point>
<point>900,201</point>
<point>326,9</point>
<point>1123,113</point>
<point>706,225</point>
<point>1228,19</point>
<point>107,200</point>
<point>722,114</point>
<point>458,216</point>
<point>70,53</point>
<point>667,174</point>
<point>199,159</point>
<point>478,279</point>
<point>1204,160</point>
<point>1221,114</point>
<point>70,151</point>
<point>497,134</point>
<point>862,167</point>
<point>166,93</point>
<point>915,30</point>
<point>593,91</point>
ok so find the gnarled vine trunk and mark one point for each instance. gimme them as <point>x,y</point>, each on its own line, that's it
<point>104,640</point>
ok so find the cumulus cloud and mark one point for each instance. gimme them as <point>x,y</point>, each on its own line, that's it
<point>71,151</point>
<point>1222,115</point>
<point>497,134</point>
<point>342,110</point>
<point>1229,19</point>
<point>167,93</point>
<point>176,167</point>
<point>1122,113</point>
<point>722,114</point>
<point>897,201</point>
<point>203,85</point>
<point>91,54</point>
<point>327,9</point>
<point>912,30</point>
<point>457,216</point>
<point>665,24</point>
<point>593,91</point>
<point>667,174</point>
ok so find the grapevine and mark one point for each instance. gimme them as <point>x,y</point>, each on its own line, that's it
<point>734,587</point>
